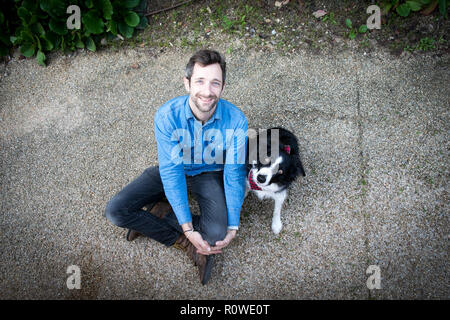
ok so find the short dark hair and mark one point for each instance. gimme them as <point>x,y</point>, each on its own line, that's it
<point>205,58</point>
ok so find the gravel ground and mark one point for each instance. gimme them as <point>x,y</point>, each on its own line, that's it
<point>374,140</point>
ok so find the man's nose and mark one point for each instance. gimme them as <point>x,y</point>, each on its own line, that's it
<point>207,90</point>
<point>261,178</point>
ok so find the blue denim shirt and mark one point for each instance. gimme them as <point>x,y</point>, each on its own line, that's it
<point>186,147</point>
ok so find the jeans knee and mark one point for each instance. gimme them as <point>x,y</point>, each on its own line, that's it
<point>115,213</point>
<point>215,233</point>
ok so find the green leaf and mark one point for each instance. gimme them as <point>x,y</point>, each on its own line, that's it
<point>53,38</point>
<point>47,44</point>
<point>89,4</point>
<point>130,3</point>
<point>352,34</point>
<point>107,9</point>
<point>132,19</point>
<point>79,44</point>
<point>13,39</point>
<point>24,15</point>
<point>363,29</point>
<point>403,10</point>
<point>125,30</point>
<point>37,28</point>
<point>90,44</point>
<point>55,8</point>
<point>414,5</point>
<point>40,57</point>
<point>58,26</point>
<point>425,1</point>
<point>142,24</point>
<point>94,24</point>
<point>27,49</point>
<point>348,23</point>
<point>112,27</point>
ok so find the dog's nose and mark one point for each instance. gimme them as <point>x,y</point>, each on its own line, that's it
<point>261,178</point>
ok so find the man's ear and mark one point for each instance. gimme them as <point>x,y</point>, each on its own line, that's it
<point>187,84</point>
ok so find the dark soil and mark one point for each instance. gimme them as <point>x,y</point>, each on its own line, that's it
<point>260,24</point>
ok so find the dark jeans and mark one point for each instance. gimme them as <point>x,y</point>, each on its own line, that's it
<point>125,208</point>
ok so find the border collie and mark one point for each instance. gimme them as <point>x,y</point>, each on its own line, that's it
<point>273,163</point>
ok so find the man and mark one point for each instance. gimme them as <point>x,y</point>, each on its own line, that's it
<point>201,142</point>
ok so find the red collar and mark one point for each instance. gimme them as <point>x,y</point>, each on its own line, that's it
<point>253,184</point>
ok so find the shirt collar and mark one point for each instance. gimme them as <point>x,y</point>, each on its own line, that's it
<point>217,113</point>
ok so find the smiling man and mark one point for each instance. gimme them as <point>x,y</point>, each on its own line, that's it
<point>194,133</point>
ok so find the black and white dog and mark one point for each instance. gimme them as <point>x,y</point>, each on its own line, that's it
<point>273,163</point>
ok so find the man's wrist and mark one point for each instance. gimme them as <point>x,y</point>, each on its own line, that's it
<point>233,228</point>
<point>187,226</point>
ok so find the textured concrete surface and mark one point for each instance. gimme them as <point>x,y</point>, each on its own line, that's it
<point>374,135</point>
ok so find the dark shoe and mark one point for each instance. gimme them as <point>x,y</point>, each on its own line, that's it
<point>131,235</point>
<point>204,263</point>
<point>205,272</point>
<point>160,209</point>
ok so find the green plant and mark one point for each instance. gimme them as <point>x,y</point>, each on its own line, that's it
<point>8,23</point>
<point>329,17</point>
<point>353,31</point>
<point>43,24</point>
<point>404,8</point>
<point>426,44</point>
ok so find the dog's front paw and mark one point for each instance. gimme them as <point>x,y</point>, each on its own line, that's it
<point>276,226</point>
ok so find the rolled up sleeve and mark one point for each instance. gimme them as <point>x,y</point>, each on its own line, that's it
<point>172,173</point>
<point>235,173</point>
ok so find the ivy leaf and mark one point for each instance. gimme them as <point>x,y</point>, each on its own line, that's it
<point>132,19</point>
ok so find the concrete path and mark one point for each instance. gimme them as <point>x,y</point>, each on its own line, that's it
<point>374,135</point>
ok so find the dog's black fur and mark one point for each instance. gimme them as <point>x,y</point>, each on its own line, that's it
<point>281,170</point>
<point>291,166</point>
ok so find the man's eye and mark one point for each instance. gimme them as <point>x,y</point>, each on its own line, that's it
<point>216,84</point>
<point>199,81</point>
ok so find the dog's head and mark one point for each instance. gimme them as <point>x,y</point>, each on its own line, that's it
<point>273,159</point>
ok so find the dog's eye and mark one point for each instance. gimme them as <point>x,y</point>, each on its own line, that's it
<point>280,171</point>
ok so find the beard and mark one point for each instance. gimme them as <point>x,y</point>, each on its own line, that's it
<point>205,106</point>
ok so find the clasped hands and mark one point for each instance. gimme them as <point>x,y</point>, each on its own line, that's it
<point>203,246</point>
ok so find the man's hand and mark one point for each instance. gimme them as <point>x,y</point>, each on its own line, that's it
<point>196,239</point>
<point>202,246</point>
<point>225,242</point>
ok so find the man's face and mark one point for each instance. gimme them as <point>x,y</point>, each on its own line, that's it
<point>205,87</point>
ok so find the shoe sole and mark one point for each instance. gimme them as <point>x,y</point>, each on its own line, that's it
<point>208,269</point>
